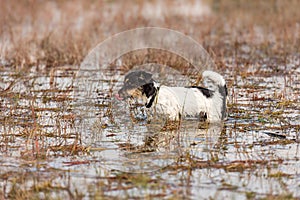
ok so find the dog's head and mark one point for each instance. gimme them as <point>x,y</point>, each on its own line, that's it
<point>137,84</point>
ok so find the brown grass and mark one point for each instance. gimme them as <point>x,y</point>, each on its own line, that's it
<point>55,33</point>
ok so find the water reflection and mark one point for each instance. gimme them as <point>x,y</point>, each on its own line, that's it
<point>146,151</point>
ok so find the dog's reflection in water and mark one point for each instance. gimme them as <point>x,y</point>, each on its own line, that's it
<point>178,137</point>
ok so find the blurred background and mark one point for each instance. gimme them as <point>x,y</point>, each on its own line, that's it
<point>54,33</point>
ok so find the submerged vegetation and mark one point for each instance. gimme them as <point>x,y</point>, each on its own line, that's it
<point>43,155</point>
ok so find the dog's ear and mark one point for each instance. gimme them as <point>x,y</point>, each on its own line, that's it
<point>147,76</point>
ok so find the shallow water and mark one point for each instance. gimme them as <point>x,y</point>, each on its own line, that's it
<point>54,145</point>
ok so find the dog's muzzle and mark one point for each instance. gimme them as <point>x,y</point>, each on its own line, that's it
<point>121,94</point>
<point>124,93</point>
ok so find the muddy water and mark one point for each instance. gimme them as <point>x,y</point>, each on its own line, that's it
<point>54,145</point>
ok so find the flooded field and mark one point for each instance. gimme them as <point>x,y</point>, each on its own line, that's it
<point>255,153</point>
<point>61,137</point>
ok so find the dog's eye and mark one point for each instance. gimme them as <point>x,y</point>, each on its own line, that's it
<point>130,84</point>
<point>142,78</point>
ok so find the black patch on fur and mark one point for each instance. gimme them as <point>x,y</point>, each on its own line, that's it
<point>202,116</point>
<point>226,91</point>
<point>150,91</point>
<point>135,80</point>
<point>206,92</point>
<point>223,91</point>
<point>148,105</point>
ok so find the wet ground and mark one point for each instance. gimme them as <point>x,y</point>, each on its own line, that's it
<point>49,151</point>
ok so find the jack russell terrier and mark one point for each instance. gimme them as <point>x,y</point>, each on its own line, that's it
<point>206,103</point>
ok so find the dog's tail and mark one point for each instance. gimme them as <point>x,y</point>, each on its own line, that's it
<point>214,81</point>
<point>215,77</point>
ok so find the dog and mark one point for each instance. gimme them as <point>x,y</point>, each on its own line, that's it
<point>206,103</point>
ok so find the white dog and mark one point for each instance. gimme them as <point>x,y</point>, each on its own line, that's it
<point>207,103</point>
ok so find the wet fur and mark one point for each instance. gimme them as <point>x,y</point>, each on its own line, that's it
<point>208,103</point>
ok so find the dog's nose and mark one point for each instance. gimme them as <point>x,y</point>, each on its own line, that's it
<point>120,95</point>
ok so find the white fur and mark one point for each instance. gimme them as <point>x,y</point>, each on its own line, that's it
<point>214,76</point>
<point>174,102</point>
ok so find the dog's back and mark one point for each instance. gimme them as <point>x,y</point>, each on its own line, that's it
<point>195,101</point>
<point>180,101</point>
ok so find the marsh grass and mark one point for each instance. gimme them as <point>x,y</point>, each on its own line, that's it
<point>67,31</point>
<point>250,43</point>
